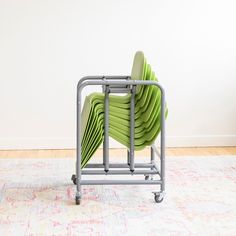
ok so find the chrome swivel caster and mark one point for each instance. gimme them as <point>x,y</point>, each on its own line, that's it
<point>77,200</point>
<point>158,196</point>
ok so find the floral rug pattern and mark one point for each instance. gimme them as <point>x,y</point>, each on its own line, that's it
<point>37,198</point>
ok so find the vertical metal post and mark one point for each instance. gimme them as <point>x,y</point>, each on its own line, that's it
<point>78,146</point>
<point>152,156</point>
<point>162,140</point>
<point>132,124</point>
<point>128,157</point>
<point>106,130</point>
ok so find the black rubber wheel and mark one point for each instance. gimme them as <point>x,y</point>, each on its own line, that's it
<point>77,200</point>
<point>157,198</point>
<point>73,178</point>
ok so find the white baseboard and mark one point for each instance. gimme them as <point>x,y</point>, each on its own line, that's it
<point>68,143</point>
<point>201,141</point>
<point>37,143</point>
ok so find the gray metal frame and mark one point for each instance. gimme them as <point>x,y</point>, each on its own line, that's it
<point>120,84</point>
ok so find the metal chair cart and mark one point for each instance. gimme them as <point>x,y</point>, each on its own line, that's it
<point>120,84</point>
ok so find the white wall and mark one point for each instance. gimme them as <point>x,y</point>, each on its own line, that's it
<point>47,45</point>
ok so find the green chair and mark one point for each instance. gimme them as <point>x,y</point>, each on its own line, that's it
<point>147,114</point>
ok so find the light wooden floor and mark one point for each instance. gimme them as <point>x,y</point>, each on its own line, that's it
<point>200,151</point>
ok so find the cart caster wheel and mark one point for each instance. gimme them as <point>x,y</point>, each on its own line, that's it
<point>73,178</point>
<point>158,198</point>
<point>77,200</point>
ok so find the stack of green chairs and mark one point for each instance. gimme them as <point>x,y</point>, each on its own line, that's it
<point>147,114</point>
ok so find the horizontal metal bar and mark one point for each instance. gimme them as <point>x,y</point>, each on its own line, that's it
<point>119,172</point>
<point>124,77</point>
<point>99,77</point>
<point>104,77</point>
<point>118,182</point>
<point>119,86</point>
<point>119,90</point>
<point>103,81</point>
<point>120,165</point>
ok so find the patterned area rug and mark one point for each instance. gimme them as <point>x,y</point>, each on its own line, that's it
<point>37,198</point>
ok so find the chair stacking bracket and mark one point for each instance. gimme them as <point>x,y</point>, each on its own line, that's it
<point>120,84</point>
